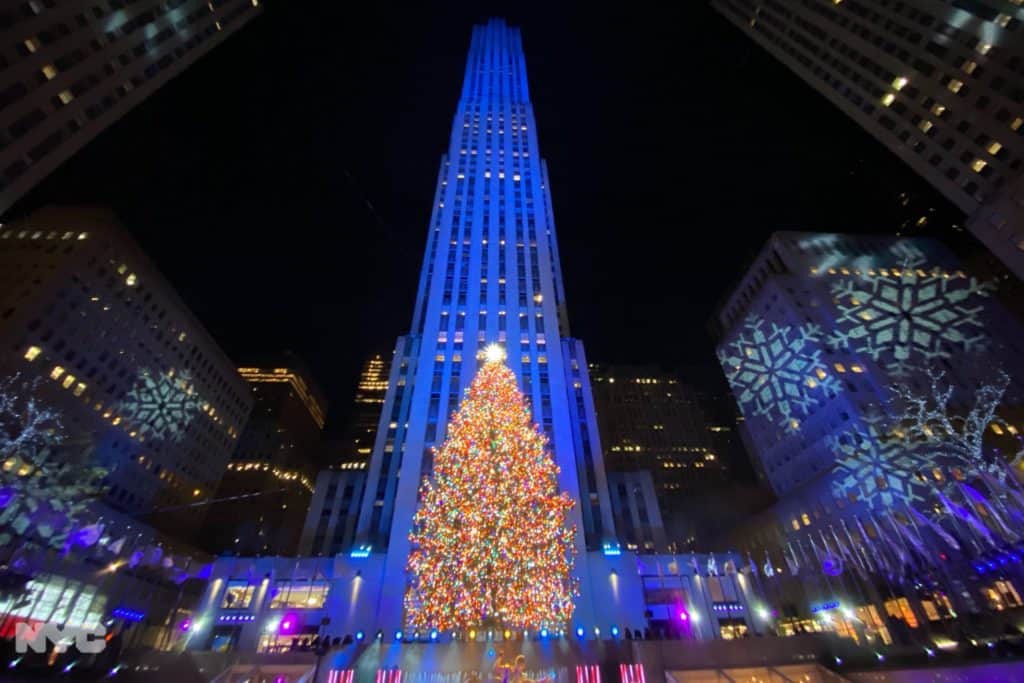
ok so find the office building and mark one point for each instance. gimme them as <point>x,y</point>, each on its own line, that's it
<point>265,493</point>
<point>330,524</point>
<point>822,325</point>
<point>122,359</point>
<point>69,70</point>
<point>813,340</point>
<point>649,420</point>
<point>938,83</point>
<point>361,431</point>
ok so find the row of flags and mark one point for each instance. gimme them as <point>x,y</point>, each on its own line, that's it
<point>901,540</point>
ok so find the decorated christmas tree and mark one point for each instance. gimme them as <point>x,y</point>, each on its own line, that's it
<point>491,546</point>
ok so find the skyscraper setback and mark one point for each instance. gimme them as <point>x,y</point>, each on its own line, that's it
<point>491,275</point>
<point>938,83</point>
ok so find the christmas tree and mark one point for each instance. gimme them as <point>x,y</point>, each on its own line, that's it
<point>491,546</point>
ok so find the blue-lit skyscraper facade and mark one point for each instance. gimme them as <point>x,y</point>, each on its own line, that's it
<point>491,274</point>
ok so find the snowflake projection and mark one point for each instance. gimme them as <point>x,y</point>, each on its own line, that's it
<point>877,466</point>
<point>904,315</point>
<point>776,371</point>
<point>161,406</point>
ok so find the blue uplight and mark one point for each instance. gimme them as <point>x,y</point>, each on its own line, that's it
<point>615,631</point>
<point>433,634</point>
<point>360,635</point>
<point>579,631</point>
<point>398,635</point>
<point>611,549</point>
<point>543,633</point>
<point>361,551</point>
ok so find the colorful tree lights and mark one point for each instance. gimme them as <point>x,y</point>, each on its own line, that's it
<point>491,544</point>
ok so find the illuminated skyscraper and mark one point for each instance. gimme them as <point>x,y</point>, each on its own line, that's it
<point>938,83</point>
<point>70,69</point>
<point>491,275</point>
<point>357,444</point>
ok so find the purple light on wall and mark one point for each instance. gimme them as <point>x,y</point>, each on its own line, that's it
<point>185,625</point>
<point>289,624</point>
<point>683,616</point>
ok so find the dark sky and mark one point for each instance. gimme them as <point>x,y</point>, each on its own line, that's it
<point>675,146</point>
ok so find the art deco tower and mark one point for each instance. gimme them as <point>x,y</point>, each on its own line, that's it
<point>491,275</point>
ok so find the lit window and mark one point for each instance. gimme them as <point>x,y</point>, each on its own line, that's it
<point>82,235</point>
<point>805,519</point>
<point>1017,123</point>
<point>840,367</point>
<point>954,85</point>
<point>997,429</point>
<point>65,96</point>
<point>56,372</point>
<point>969,66</point>
<point>796,525</point>
<point>69,379</point>
<point>49,71</point>
<point>888,99</point>
<point>820,373</point>
<point>994,147</point>
<point>978,164</point>
<point>30,45</point>
<point>79,389</point>
<point>983,48</point>
<point>32,353</point>
<point>899,82</point>
<point>811,382</point>
<point>856,368</point>
<point>938,109</point>
<point>1003,20</point>
<point>131,280</point>
<point>925,125</point>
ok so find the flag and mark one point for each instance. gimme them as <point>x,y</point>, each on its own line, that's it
<point>117,545</point>
<point>791,562</point>
<point>979,503</point>
<point>87,536</point>
<point>939,531</point>
<point>964,514</point>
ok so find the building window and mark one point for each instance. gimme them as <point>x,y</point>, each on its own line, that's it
<point>238,595</point>
<point>300,594</point>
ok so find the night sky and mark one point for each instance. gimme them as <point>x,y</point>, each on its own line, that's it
<point>283,183</point>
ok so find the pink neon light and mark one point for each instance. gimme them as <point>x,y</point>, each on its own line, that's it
<point>588,673</point>
<point>340,675</point>
<point>632,673</point>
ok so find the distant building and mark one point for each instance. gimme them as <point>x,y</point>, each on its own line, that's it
<point>72,69</point>
<point>331,520</point>
<point>938,83</point>
<point>649,421</point>
<point>123,360</point>
<point>266,491</point>
<point>361,431</point>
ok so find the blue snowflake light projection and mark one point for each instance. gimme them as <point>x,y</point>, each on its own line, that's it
<point>904,315</point>
<point>161,406</point>
<point>776,371</point>
<point>878,467</point>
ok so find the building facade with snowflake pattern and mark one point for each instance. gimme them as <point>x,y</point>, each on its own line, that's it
<point>137,379</point>
<point>817,333</point>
